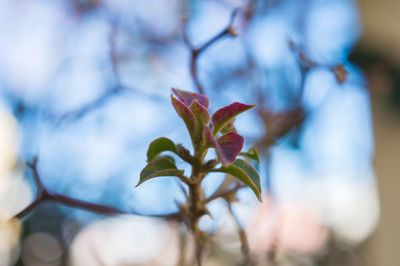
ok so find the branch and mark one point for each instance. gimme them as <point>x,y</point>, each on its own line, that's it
<point>114,90</point>
<point>44,195</point>
<point>182,248</point>
<point>277,125</point>
<point>87,108</point>
<point>221,194</point>
<point>306,64</point>
<point>242,236</point>
<point>196,52</point>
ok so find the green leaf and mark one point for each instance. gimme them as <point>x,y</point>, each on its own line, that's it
<point>245,173</point>
<point>252,154</point>
<point>159,145</point>
<point>162,166</point>
<point>222,117</point>
<point>250,171</point>
<point>187,116</point>
<point>169,157</point>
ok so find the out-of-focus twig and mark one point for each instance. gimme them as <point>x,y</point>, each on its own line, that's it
<point>182,248</point>
<point>278,124</point>
<point>114,90</point>
<point>45,195</point>
<point>221,194</point>
<point>87,108</point>
<point>242,236</point>
<point>196,52</point>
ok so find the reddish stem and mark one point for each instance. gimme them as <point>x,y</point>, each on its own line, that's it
<point>44,195</point>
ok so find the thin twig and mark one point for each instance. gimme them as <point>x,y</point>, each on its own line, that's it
<point>113,52</point>
<point>182,248</point>
<point>221,194</point>
<point>28,209</point>
<point>87,108</point>
<point>114,90</point>
<point>195,52</point>
<point>182,188</point>
<point>44,195</point>
<point>242,236</point>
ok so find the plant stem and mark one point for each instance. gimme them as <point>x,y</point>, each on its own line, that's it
<point>196,205</point>
<point>196,211</point>
<point>242,236</point>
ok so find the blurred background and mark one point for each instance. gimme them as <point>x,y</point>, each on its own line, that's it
<point>85,85</point>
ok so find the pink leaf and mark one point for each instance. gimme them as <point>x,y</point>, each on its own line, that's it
<point>227,113</point>
<point>187,116</point>
<point>229,146</point>
<point>188,97</point>
<point>202,117</point>
<point>211,141</point>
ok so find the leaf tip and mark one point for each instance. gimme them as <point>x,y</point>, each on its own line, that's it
<point>222,116</point>
<point>259,198</point>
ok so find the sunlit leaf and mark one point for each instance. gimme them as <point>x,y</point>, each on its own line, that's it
<point>211,141</point>
<point>159,145</point>
<point>229,146</point>
<point>250,171</point>
<point>226,114</point>
<point>229,127</point>
<point>240,174</point>
<point>188,97</point>
<point>187,116</point>
<point>172,159</point>
<point>202,117</point>
<point>252,154</point>
<point>162,166</point>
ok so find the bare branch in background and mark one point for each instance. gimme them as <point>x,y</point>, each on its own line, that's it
<point>87,108</point>
<point>247,260</point>
<point>196,52</point>
<point>306,64</point>
<point>45,195</point>
<point>182,248</point>
<point>117,89</point>
<point>278,124</point>
<point>224,193</point>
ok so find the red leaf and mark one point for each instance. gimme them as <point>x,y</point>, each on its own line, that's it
<point>187,116</point>
<point>188,97</point>
<point>227,113</point>
<point>229,146</point>
<point>211,141</point>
